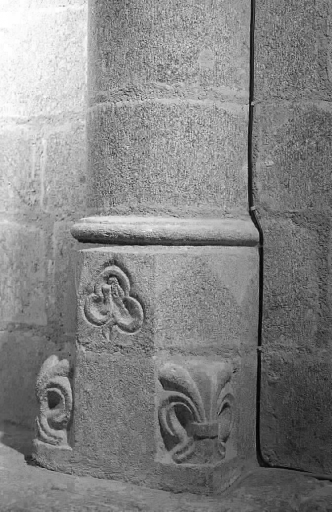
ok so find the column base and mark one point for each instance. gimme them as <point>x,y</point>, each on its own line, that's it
<point>162,388</point>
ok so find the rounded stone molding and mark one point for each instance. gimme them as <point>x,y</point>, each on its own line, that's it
<point>136,230</point>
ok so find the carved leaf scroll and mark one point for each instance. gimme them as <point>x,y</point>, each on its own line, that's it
<point>54,393</point>
<point>111,304</point>
<point>195,403</point>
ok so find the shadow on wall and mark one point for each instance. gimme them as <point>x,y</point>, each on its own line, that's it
<point>17,437</point>
<point>38,315</point>
<point>42,190</point>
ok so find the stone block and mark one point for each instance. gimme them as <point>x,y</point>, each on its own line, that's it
<point>294,147</point>
<point>23,274</point>
<point>295,284</point>
<point>296,417</point>
<point>22,351</point>
<point>205,300</point>
<point>155,45</point>
<point>42,167</point>
<point>65,168</point>
<point>54,47</point>
<point>293,49</point>
<point>198,300</point>
<point>295,388</point>
<point>188,157</point>
<point>115,413</point>
<point>20,152</point>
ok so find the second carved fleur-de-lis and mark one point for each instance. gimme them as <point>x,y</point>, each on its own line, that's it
<point>196,403</point>
<point>111,306</point>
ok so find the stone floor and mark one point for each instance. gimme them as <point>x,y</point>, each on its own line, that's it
<point>25,488</point>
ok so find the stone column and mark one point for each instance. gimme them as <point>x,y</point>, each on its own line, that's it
<point>162,389</point>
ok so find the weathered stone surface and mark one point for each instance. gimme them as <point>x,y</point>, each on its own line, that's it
<point>52,42</point>
<point>292,189</point>
<point>42,163</point>
<point>167,135</point>
<point>175,156</point>
<point>293,49</point>
<point>293,146</point>
<point>114,433</point>
<point>22,281</point>
<point>155,45</point>
<point>296,423</point>
<point>20,152</point>
<point>182,291</point>
<point>162,71</point>
<point>144,313</point>
<point>65,168</point>
<point>205,390</point>
<point>294,280</point>
<point>201,307</point>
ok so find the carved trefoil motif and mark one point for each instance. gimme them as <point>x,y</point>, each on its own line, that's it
<point>54,393</point>
<point>111,306</point>
<point>195,411</point>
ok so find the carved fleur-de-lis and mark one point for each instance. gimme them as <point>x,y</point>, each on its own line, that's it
<point>111,304</point>
<point>195,403</point>
<point>54,393</point>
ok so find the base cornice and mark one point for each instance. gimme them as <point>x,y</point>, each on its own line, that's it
<point>139,230</point>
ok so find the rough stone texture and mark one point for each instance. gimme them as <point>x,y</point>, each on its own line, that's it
<point>148,230</point>
<point>53,43</point>
<point>183,291</point>
<point>22,280</point>
<point>65,167</point>
<point>292,309</point>
<point>293,50</point>
<point>170,43</point>
<point>182,319</point>
<point>20,152</point>
<point>294,144</point>
<point>168,95</point>
<point>174,155</point>
<point>42,189</point>
<point>295,394</point>
<point>27,488</point>
<point>292,190</point>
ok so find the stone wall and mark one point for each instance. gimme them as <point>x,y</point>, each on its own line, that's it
<point>292,174</point>
<point>42,187</point>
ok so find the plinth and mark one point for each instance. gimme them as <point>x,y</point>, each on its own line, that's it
<point>162,387</point>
